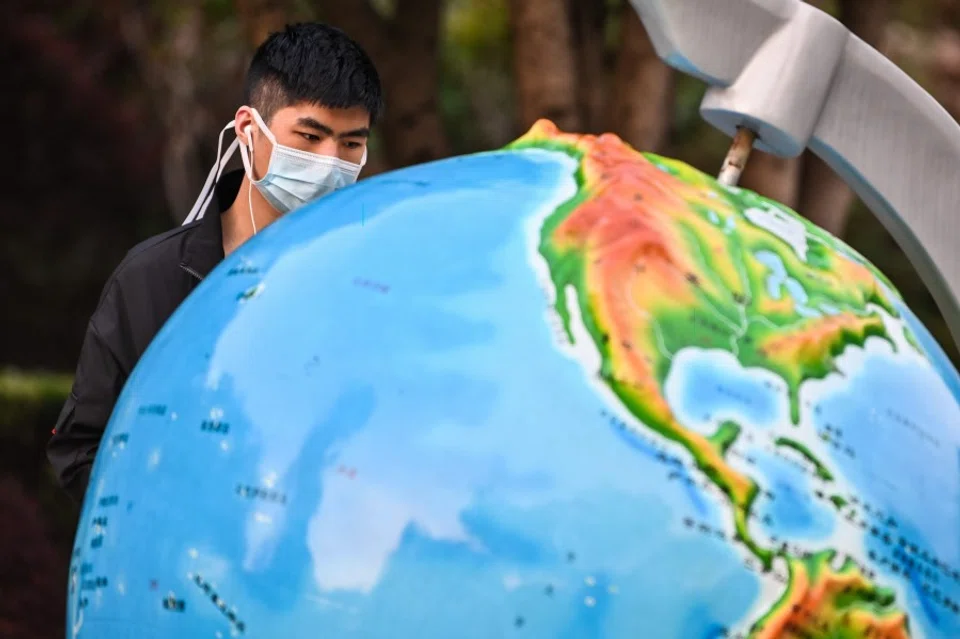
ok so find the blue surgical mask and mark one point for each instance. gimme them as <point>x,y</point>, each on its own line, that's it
<point>296,177</point>
<point>293,177</point>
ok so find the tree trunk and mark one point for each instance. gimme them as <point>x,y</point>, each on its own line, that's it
<point>824,198</point>
<point>168,58</point>
<point>773,177</point>
<point>641,99</point>
<point>182,170</point>
<point>413,127</point>
<point>588,21</point>
<point>405,49</point>
<point>544,64</point>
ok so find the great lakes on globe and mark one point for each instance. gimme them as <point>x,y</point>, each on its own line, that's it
<point>562,389</point>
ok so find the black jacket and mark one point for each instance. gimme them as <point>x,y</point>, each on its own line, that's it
<point>138,298</point>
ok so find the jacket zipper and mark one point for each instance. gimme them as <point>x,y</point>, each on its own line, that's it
<point>191,271</point>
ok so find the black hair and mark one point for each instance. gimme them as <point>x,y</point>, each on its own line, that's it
<point>313,63</point>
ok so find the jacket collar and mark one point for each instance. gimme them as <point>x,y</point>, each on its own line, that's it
<point>203,248</point>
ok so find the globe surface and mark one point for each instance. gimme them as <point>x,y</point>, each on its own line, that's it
<point>562,389</point>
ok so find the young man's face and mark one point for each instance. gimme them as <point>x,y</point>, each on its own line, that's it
<point>340,133</point>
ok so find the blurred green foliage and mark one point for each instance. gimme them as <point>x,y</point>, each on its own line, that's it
<point>33,389</point>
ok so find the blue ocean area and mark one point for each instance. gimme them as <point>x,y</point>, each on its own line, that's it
<point>707,387</point>
<point>934,352</point>
<point>398,446</point>
<point>894,423</point>
<point>794,513</point>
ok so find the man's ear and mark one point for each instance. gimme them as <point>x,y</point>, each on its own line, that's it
<point>243,125</point>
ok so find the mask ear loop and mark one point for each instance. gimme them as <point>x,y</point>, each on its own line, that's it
<point>263,127</point>
<point>206,193</point>
<point>248,168</point>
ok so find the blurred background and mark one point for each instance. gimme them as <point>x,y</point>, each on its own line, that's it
<point>110,117</point>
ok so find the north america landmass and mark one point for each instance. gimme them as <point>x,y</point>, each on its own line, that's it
<point>645,252</point>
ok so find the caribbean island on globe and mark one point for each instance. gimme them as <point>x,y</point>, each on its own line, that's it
<point>562,389</point>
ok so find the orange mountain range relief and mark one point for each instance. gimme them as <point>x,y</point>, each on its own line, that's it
<point>822,602</point>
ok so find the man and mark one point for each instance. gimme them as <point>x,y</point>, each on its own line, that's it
<point>311,96</point>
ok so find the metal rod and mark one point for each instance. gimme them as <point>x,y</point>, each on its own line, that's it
<point>737,157</point>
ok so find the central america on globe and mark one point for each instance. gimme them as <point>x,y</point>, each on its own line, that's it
<point>560,389</point>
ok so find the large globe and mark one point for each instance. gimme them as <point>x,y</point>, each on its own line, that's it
<point>563,389</point>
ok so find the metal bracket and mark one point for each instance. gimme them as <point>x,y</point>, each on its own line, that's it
<point>798,79</point>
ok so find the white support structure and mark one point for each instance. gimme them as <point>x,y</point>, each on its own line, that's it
<point>798,78</point>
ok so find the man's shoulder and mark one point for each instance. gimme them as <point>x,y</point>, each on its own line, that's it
<point>157,255</point>
<point>160,247</point>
